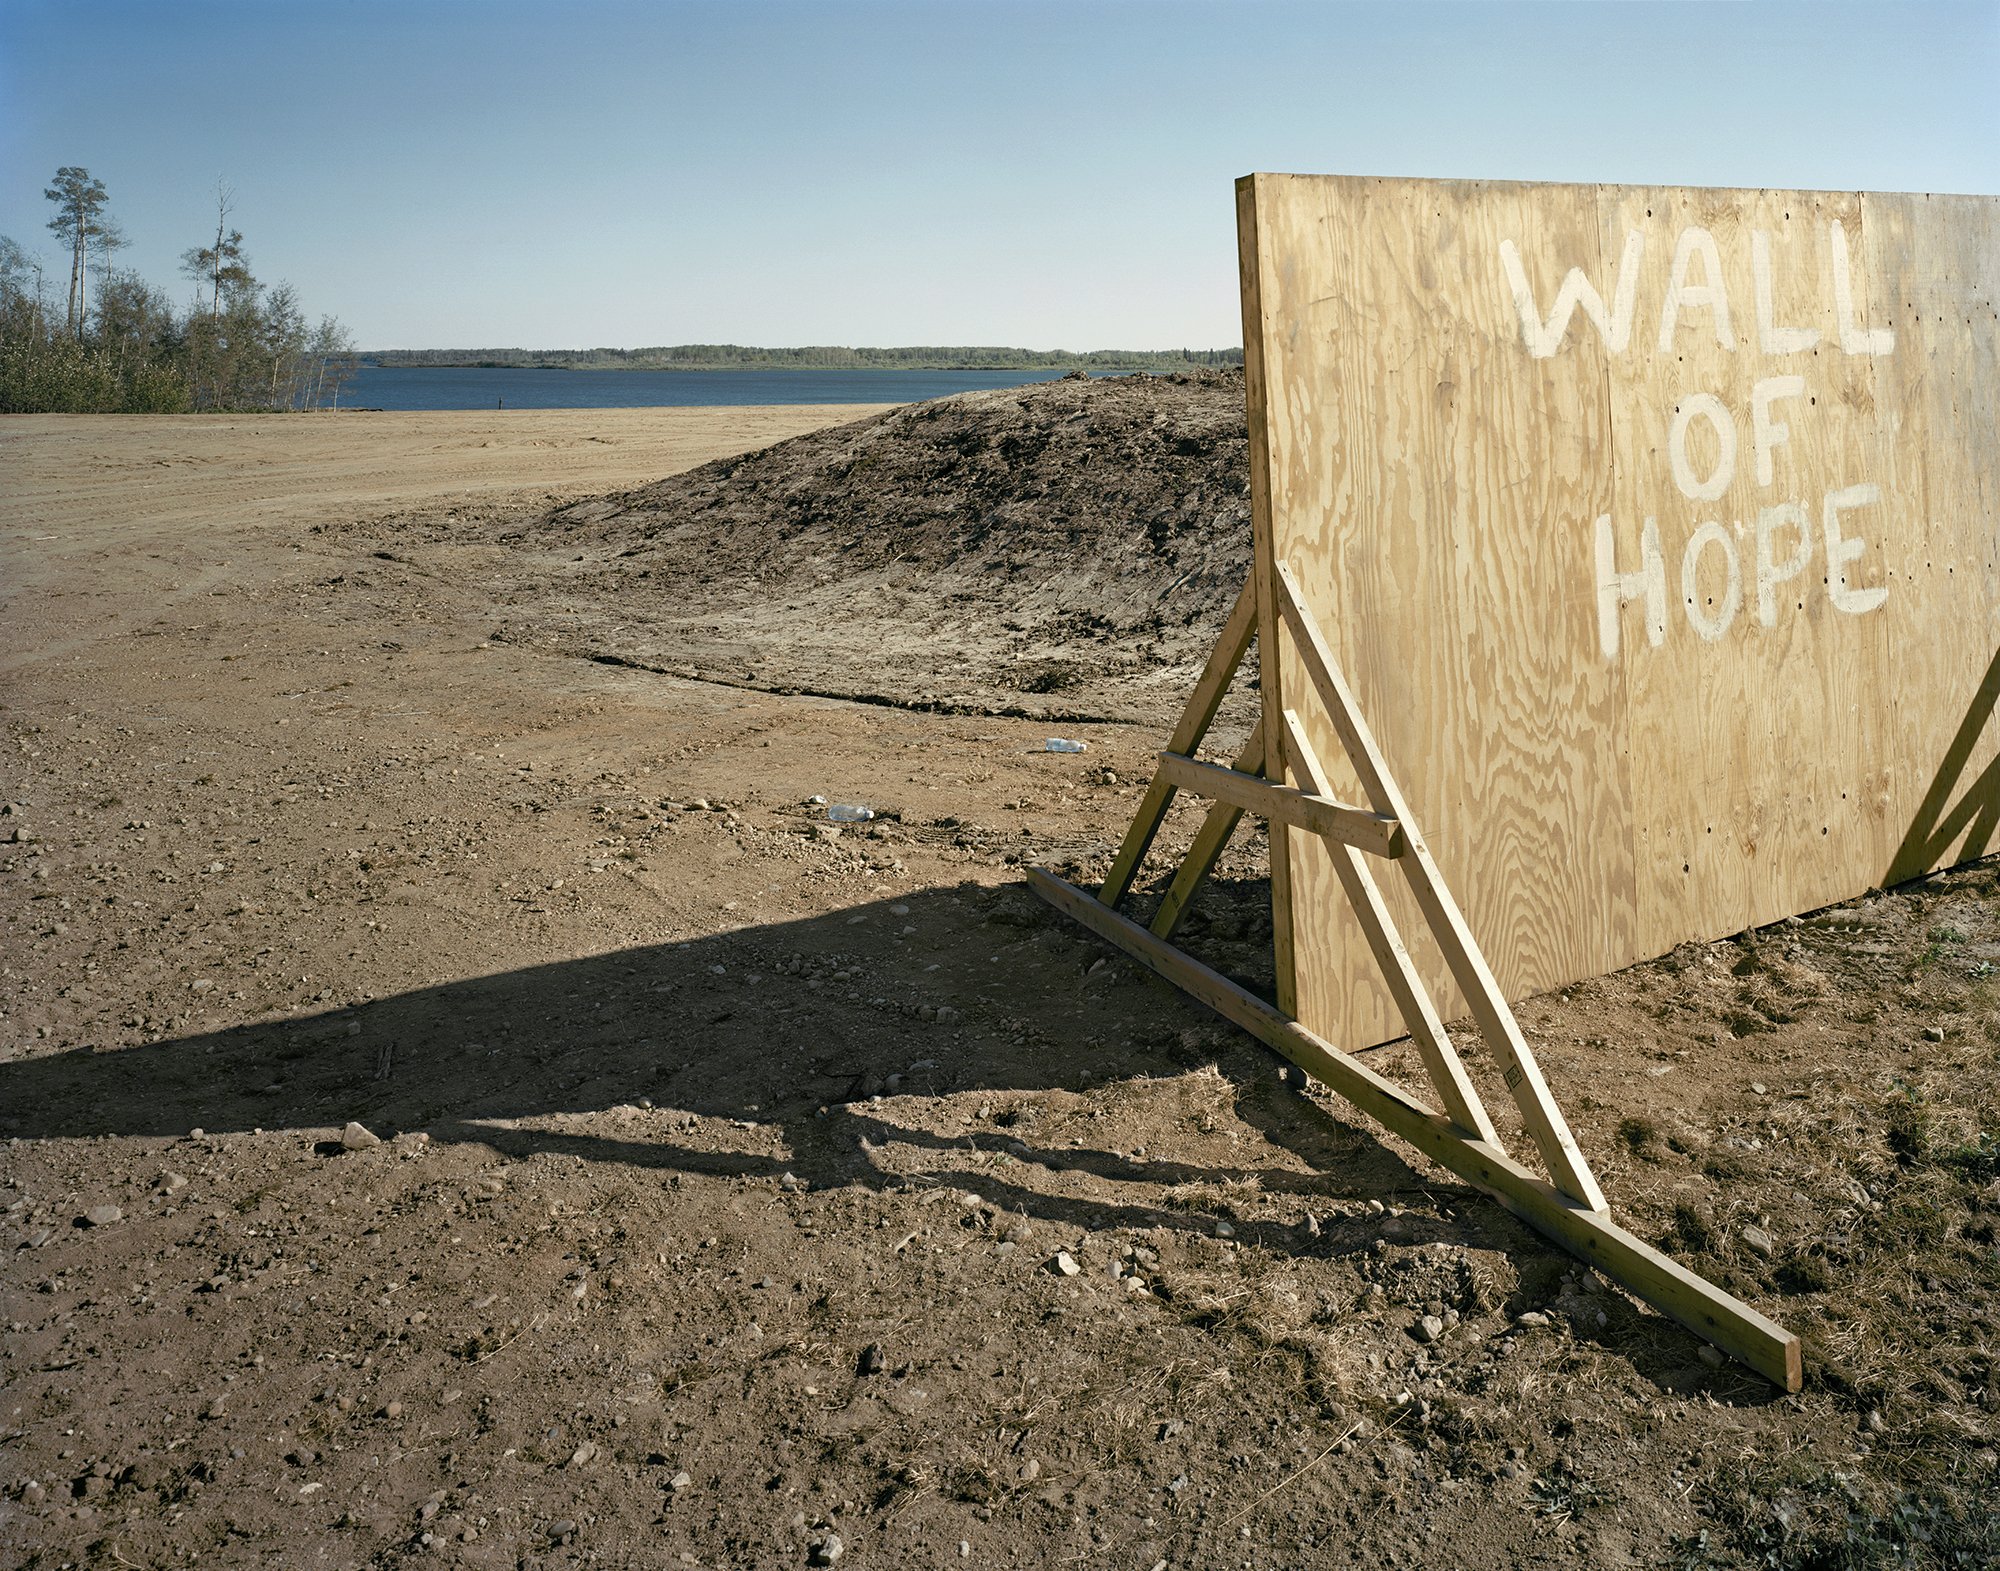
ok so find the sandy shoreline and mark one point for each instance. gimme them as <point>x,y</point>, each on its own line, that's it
<point>74,471</point>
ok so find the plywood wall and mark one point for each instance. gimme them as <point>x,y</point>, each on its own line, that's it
<point>1657,531</point>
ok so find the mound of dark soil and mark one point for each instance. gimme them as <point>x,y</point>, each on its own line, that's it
<point>1065,549</point>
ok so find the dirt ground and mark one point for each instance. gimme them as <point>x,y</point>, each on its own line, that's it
<point>722,1163</point>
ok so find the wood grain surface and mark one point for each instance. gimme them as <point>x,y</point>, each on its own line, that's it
<point>1773,415</point>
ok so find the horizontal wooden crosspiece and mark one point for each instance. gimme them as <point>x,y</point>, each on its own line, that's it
<point>1317,814</point>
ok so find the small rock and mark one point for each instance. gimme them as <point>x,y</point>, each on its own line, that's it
<point>679,1482</point>
<point>356,1138</point>
<point>1874,1422</point>
<point>102,1216</point>
<point>170,1183</point>
<point>1758,1088</point>
<point>1030,1470</point>
<point>393,1411</point>
<point>871,1359</point>
<point>828,1550</point>
<point>1710,1355</point>
<point>32,1494</point>
<point>1064,1263</point>
<point>1531,1318</point>
<point>1759,1241</point>
<point>1429,1328</point>
<point>584,1454</point>
<point>560,1531</point>
<point>216,1409</point>
<point>1224,1230</point>
<point>1933,1033</point>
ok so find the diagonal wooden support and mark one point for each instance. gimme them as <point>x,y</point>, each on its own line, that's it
<point>1420,1016</point>
<point>1523,1076</point>
<point>1209,840</point>
<point>1702,1307</point>
<point>1570,1209</point>
<point>1194,722</point>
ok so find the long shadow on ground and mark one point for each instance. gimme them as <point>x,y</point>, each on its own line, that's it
<point>813,1030</point>
<point>798,1024</point>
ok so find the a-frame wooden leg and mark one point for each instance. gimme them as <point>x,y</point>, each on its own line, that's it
<point>1571,1209</point>
<point>1413,999</point>
<point>1209,840</point>
<point>1590,1235</point>
<point>1194,723</point>
<point>1523,1076</point>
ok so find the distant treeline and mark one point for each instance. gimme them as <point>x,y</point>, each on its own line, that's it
<point>729,357</point>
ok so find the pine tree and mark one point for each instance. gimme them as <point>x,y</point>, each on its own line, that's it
<point>81,226</point>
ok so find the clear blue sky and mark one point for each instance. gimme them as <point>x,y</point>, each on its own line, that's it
<point>582,172</point>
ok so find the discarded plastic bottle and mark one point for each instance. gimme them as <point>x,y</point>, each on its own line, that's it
<point>849,813</point>
<point>1062,744</point>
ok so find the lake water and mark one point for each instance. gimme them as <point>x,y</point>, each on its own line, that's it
<point>468,387</point>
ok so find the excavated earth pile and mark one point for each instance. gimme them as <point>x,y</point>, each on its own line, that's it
<point>1065,550</point>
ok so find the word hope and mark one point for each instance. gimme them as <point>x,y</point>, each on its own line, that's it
<point>1781,546</point>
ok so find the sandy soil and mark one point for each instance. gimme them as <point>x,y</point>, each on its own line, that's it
<point>726,1157</point>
